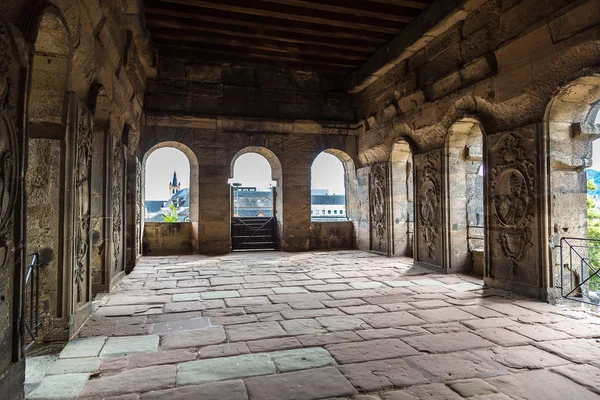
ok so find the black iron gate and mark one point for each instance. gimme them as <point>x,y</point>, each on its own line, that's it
<point>580,269</point>
<point>253,233</point>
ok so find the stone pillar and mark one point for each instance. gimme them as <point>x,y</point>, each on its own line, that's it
<point>428,205</point>
<point>296,205</point>
<point>362,224</point>
<point>134,209</point>
<point>100,202</point>
<point>402,206</point>
<point>214,226</point>
<point>512,203</point>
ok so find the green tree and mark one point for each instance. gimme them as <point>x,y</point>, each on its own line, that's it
<point>172,217</point>
<point>593,220</point>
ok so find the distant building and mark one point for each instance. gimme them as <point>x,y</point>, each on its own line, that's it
<point>250,202</point>
<point>175,185</point>
<point>179,198</point>
<point>325,205</point>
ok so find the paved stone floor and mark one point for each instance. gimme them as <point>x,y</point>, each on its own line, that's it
<point>343,325</point>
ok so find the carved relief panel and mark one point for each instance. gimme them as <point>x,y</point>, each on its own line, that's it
<point>118,205</point>
<point>428,198</point>
<point>83,191</point>
<point>12,154</point>
<point>379,203</point>
<point>512,234</point>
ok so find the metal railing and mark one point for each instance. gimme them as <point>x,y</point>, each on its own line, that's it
<point>580,269</point>
<point>31,319</point>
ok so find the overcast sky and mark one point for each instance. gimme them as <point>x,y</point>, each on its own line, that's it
<point>159,172</point>
<point>250,169</point>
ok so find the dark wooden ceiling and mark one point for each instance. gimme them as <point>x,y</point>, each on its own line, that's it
<point>328,35</point>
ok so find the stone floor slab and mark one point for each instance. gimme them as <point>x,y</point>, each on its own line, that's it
<point>130,381</point>
<point>521,357</point>
<point>60,387</point>
<point>75,366</point>
<point>540,384</point>
<point>380,375</point>
<point>122,346</point>
<point>294,360</point>
<point>448,367</point>
<point>190,339</point>
<point>503,337</point>
<point>219,294</point>
<point>447,342</point>
<point>259,330</point>
<point>86,347</point>
<point>576,350</point>
<point>220,369</point>
<point>349,353</point>
<point>161,328</point>
<point>302,385</point>
<point>230,390</point>
<point>583,374</point>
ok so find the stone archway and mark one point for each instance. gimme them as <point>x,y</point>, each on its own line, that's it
<point>464,208</point>
<point>276,175</point>
<point>402,188</point>
<point>569,131</point>
<point>194,188</point>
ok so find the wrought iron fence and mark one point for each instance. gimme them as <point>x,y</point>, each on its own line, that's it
<point>253,233</point>
<point>31,319</point>
<point>580,269</point>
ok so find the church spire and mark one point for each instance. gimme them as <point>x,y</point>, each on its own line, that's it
<point>174,186</point>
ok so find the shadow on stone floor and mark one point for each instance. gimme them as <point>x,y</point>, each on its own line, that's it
<point>319,325</point>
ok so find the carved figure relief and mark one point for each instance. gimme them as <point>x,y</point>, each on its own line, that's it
<point>379,210</point>
<point>117,201</point>
<point>428,205</point>
<point>512,186</point>
<point>9,153</point>
<point>83,163</point>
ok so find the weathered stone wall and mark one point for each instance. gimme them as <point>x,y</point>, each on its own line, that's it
<point>331,235</point>
<point>215,145</point>
<point>171,238</point>
<point>204,89</point>
<point>60,52</point>
<point>500,62</point>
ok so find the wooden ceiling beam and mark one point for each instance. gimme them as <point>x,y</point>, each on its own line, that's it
<point>253,7</point>
<point>260,56</point>
<point>244,32</point>
<point>262,45</point>
<point>153,12</point>
<point>420,5</point>
<point>349,8</point>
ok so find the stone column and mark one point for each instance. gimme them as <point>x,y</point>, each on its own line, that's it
<point>214,226</point>
<point>362,224</point>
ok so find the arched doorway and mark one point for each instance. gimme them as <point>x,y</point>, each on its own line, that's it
<point>464,211</point>
<point>171,197</point>
<point>402,199</point>
<point>256,199</point>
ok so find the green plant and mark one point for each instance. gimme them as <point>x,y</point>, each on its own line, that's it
<point>172,217</point>
<point>593,220</point>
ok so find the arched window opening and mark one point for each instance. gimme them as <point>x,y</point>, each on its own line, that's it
<point>167,186</point>
<point>402,199</point>
<point>573,120</point>
<point>465,215</point>
<point>256,200</point>
<point>328,187</point>
<point>252,186</point>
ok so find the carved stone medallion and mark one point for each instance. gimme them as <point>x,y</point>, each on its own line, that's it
<point>512,186</point>
<point>117,201</point>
